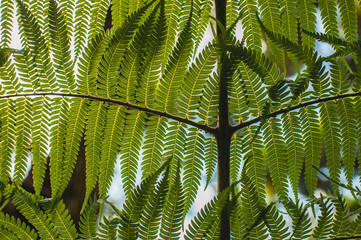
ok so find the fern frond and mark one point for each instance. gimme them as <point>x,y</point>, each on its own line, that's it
<point>33,39</point>
<point>153,144</point>
<point>201,13</point>
<point>252,30</point>
<point>28,206</point>
<point>295,151</point>
<point>119,12</point>
<point>134,205</point>
<point>88,220</point>
<point>7,136</point>
<point>59,110</point>
<point>348,135</point>
<point>88,63</point>
<point>238,223</point>
<point>210,151</point>
<point>151,66</point>
<point>6,22</point>
<point>23,137</point>
<point>308,21</point>
<point>341,222</point>
<point>130,150</point>
<point>276,157</point>
<point>276,224</point>
<point>81,26</point>
<point>97,17</point>
<point>348,19</point>
<point>324,222</point>
<point>256,165</point>
<point>108,71</point>
<point>175,71</point>
<point>40,139</point>
<point>174,15</point>
<point>9,81</point>
<point>236,156</point>
<point>193,165</point>
<point>108,228</point>
<point>26,68</point>
<point>129,71</point>
<point>328,10</point>
<point>331,136</point>
<point>152,213</point>
<point>172,214</point>
<point>202,223</point>
<point>253,209</point>
<point>60,218</point>
<point>340,82</point>
<point>60,45</point>
<point>301,223</point>
<point>16,227</point>
<point>209,98</point>
<point>312,144</point>
<point>271,16</point>
<point>114,125</point>
<point>74,134</point>
<point>174,144</point>
<point>93,142</point>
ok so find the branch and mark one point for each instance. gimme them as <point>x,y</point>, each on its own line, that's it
<point>291,108</point>
<point>116,102</point>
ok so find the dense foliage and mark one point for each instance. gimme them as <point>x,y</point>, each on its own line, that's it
<point>152,94</point>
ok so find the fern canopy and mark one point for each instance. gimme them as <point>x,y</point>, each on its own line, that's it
<point>136,84</point>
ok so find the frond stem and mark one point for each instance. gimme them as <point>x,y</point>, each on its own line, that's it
<point>116,102</point>
<point>291,108</point>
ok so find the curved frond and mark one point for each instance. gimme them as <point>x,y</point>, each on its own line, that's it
<point>252,30</point>
<point>59,113</point>
<point>23,137</point>
<point>98,13</point>
<point>108,70</point>
<point>195,80</point>
<point>130,148</point>
<point>29,208</point>
<point>130,67</point>
<point>210,151</point>
<point>74,134</point>
<point>135,203</point>
<point>295,151</point>
<point>88,220</point>
<point>324,222</point>
<point>202,223</point>
<point>312,144</point>
<point>301,223</point>
<point>153,144</point>
<point>348,135</point>
<point>93,144</point>
<point>175,71</point>
<point>276,224</point>
<point>40,139</point>
<point>60,45</point>
<point>172,215</point>
<point>6,22</point>
<point>150,220</point>
<point>348,19</point>
<point>331,136</point>
<point>192,166</point>
<point>328,10</point>
<point>308,21</point>
<point>276,155</point>
<point>114,124</point>
<point>16,227</point>
<point>61,219</point>
<point>7,136</point>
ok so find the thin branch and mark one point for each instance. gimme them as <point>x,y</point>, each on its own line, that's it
<point>116,102</point>
<point>291,108</point>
